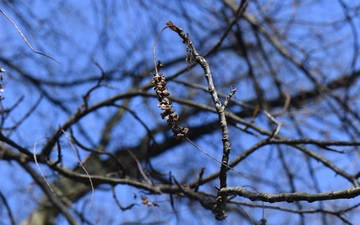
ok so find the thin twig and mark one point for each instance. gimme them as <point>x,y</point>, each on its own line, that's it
<point>228,98</point>
<point>8,209</point>
<point>213,158</point>
<point>118,203</point>
<point>278,124</point>
<point>81,165</point>
<point>201,174</point>
<point>154,50</point>
<point>49,192</point>
<point>138,165</point>
<point>26,41</point>
<point>38,167</point>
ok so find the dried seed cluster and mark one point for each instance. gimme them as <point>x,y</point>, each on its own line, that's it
<point>168,113</point>
<point>1,86</point>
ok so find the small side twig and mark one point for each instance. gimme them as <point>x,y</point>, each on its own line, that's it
<point>86,97</point>
<point>118,203</point>
<point>30,111</point>
<point>255,113</point>
<point>59,153</point>
<point>228,98</point>
<point>285,107</point>
<point>277,123</point>
<point>201,174</point>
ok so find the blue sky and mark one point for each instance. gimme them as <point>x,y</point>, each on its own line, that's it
<point>75,33</point>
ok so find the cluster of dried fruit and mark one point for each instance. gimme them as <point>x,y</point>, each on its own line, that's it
<point>1,86</point>
<point>168,113</point>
